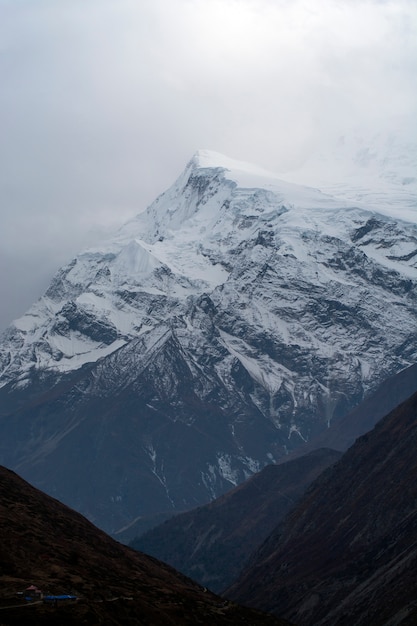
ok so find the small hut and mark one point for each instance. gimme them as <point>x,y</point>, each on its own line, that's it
<point>33,593</point>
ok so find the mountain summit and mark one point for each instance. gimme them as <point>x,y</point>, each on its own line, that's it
<point>228,323</point>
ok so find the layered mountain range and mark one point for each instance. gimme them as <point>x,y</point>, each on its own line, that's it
<point>347,552</point>
<point>226,325</point>
<point>212,543</point>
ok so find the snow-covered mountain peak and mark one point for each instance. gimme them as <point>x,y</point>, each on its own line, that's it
<point>218,217</point>
<point>214,196</point>
<point>209,159</point>
<point>237,317</point>
<point>251,176</point>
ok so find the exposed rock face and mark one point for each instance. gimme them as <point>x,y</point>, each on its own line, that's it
<point>211,544</point>
<point>47,544</point>
<point>343,433</point>
<point>232,321</point>
<point>347,553</point>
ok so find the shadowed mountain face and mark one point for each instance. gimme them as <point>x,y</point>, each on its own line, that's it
<point>339,436</point>
<point>47,544</point>
<point>343,433</point>
<point>212,543</point>
<point>347,553</point>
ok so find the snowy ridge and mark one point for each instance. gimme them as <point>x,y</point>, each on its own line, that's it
<point>183,245</point>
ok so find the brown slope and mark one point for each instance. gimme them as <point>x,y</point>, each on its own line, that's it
<point>212,543</point>
<point>47,544</point>
<point>347,554</point>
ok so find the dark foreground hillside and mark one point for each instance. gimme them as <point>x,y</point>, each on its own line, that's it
<point>46,544</point>
<point>213,542</point>
<point>347,554</point>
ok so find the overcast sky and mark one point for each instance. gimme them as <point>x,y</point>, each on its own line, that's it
<point>102,103</point>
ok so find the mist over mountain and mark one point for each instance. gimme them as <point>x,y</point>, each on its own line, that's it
<point>223,327</point>
<point>377,171</point>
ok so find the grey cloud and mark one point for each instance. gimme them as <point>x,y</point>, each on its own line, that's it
<point>103,102</point>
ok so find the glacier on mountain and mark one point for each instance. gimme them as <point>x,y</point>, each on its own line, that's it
<point>185,244</point>
<point>229,322</point>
